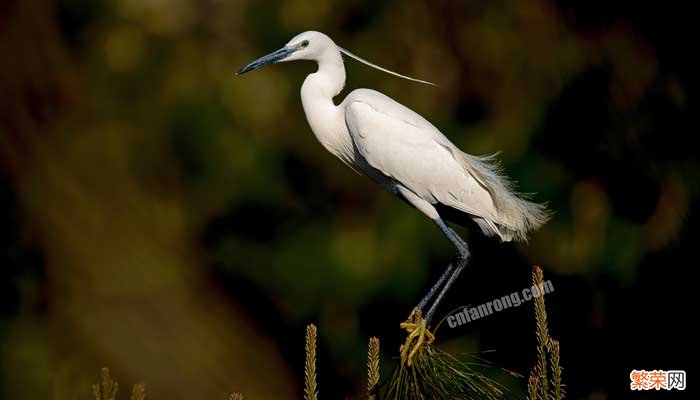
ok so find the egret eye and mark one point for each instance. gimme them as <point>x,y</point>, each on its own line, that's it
<point>305,43</point>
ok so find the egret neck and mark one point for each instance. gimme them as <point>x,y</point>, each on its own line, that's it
<point>327,120</point>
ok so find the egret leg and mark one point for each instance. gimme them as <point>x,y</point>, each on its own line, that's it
<point>424,301</point>
<point>416,325</point>
<point>460,266</point>
<point>460,245</point>
<point>462,258</point>
<point>430,211</point>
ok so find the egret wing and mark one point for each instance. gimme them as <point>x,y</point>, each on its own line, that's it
<point>408,149</point>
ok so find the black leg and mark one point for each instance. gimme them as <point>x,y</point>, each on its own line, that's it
<point>460,266</point>
<point>424,301</point>
<point>460,245</point>
<point>463,256</point>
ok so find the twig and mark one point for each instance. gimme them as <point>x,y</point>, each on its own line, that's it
<point>372,367</point>
<point>310,392</point>
<point>542,335</point>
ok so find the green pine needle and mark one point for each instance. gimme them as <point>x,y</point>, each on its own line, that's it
<point>437,375</point>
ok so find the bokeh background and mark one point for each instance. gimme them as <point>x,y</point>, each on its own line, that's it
<point>181,225</point>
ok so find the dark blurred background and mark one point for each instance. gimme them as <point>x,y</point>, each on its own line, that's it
<point>181,225</point>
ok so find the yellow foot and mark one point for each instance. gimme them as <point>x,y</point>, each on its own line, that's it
<point>418,335</point>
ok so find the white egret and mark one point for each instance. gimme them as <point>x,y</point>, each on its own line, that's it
<point>408,156</point>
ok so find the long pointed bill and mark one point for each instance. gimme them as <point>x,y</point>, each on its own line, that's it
<point>271,58</point>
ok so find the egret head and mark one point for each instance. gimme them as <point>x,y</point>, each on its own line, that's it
<point>316,46</point>
<point>310,45</point>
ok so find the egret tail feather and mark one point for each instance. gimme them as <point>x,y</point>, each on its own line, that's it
<point>517,216</point>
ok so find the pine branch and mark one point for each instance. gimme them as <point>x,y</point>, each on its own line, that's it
<point>107,390</point>
<point>372,367</point>
<point>557,392</point>
<point>533,385</point>
<point>542,335</point>
<point>438,375</point>
<point>310,392</point>
<point>138,392</point>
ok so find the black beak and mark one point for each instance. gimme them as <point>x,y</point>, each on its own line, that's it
<point>271,58</point>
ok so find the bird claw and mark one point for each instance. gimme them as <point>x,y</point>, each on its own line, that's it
<point>418,335</point>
